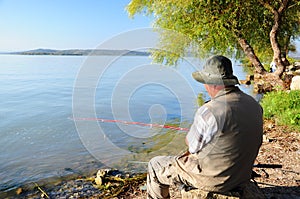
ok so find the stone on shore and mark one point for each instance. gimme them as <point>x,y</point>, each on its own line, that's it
<point>295,84</point>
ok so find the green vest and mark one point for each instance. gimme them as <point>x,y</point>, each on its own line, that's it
<point>226,162</point>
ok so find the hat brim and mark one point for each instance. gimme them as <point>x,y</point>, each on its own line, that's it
<point>214,79</point>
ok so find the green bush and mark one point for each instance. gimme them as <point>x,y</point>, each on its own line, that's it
<point>283,107</point>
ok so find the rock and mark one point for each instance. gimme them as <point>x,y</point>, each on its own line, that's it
<point>143,187</point>
<point>99,177</point>
<point>265,138</point>
<point>98,180</point>
<point>295,84</point>
<point>102,172</point>
<point>250,77</point>
<point>245,82</point>
<point>19,191</point>
<point>196,193</point>
<point>267,83</point>
<point>297,72</point>
<point>249,190</point>
<point>295,66</point>
<point>248,80</point>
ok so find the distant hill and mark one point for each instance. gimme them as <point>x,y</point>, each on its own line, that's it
<point>81,52</point>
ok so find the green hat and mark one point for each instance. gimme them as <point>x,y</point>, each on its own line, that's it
<point>217,70</point>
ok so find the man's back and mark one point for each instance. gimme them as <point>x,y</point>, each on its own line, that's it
<point>228,159</point>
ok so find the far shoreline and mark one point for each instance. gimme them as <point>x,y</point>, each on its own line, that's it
<point>79,52</point>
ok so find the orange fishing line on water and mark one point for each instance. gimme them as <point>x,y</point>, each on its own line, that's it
<point>130,123</point>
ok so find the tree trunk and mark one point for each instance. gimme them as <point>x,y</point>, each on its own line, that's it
<point>273,35</point>
<point>275,46</point>
<point>249,52</point>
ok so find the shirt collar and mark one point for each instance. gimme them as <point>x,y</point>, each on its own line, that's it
<point>226,91</point>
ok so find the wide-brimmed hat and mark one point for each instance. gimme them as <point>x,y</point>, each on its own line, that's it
<point>217,70</point>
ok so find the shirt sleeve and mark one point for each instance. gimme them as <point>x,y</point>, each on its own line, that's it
<point>202,130</point>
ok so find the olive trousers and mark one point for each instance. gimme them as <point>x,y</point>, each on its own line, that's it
<point>161,174</point>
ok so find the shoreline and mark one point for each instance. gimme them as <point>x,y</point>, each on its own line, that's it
<point>280,146</point>
<point>79,186</point>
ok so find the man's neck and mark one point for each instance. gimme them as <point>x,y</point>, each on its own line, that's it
<point>214,89</point>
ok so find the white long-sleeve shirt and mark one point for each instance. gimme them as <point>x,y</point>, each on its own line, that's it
<point>202,130</point>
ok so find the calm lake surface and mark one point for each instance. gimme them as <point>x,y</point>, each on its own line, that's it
<point>48,105</point>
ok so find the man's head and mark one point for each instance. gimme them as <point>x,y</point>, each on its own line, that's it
<point>217,71</point>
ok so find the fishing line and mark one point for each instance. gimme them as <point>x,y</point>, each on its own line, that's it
<point>130,123</point>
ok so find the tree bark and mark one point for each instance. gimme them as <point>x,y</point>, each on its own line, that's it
<point>249,52</point>
<point>273,35</point>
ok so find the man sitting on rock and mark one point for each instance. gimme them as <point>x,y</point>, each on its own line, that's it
<point>223,141</point>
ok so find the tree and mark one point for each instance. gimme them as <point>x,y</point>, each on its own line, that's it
<point>285,16</point>
<point>229,27</point>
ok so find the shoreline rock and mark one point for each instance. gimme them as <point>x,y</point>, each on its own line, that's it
<point>105,183</point>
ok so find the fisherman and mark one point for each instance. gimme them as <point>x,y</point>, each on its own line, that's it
<point>223,141</point>
<point>273,67</point>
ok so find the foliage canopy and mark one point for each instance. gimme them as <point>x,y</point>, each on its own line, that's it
<point>211,27</point>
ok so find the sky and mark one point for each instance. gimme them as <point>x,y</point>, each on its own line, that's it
<point>63,24</point>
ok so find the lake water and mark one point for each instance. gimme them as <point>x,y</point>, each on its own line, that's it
<point>48,106</point>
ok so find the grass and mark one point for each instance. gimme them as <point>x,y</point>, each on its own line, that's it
<point>283,107</point>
